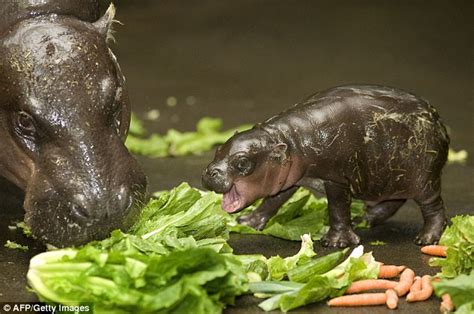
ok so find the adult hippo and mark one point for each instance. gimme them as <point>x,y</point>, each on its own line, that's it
<point>64,116</point>
<point>373,143</point>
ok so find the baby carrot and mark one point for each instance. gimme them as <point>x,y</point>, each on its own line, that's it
<point>406,280</point>
<point>425,292</point>
<point>370,284</point>
<point>392,299</point>
<point>447,304</point>
<point>435,250</point>
<point>416,286</point>
<point>359,299</point>
<point>390,271</point>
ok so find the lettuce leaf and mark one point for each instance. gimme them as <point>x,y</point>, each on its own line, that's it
<point>195,280</point>
<point>460,289</point>
<point>175,143</point>
<point>303,213</point>
<point>459,238</point>
<point>287,295</point>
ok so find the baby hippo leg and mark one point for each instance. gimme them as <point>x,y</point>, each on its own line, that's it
<point>270,205</point>
<point>434,218</point>
<point>380,212</point>
<point>340,232</point>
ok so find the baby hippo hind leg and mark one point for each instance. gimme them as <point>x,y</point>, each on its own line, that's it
<point>433,211</point>
<point>378,213</point>
<point>270,205</point>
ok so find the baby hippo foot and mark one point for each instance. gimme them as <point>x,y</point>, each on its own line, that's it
<point>431,233</point>
<point>254,220</point>
<point>340,238</point>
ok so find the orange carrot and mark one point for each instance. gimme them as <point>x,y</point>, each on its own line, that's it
<point>416,286</point>
<point>392,299</point>
<point>359,299</point>
<point>390,271</point>
<point>425,292</point>
<point>435,250</point>
<point>370,284</point>
<point>447,304</point>
<point>406,280</point>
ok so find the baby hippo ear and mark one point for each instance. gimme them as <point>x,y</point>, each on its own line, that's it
<point>279,152</point>
<point>104,24</point>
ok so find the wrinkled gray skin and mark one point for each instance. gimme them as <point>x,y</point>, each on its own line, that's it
<point>373,143</point>
<point>64,115</point>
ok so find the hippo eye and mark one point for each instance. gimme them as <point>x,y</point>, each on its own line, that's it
<point>25,124</point>
<point>243,165</point>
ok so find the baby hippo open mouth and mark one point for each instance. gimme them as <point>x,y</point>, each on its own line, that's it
<point>231,200</point>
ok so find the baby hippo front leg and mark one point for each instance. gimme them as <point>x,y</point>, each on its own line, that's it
<point>270,205</point>
<point>340,232</point>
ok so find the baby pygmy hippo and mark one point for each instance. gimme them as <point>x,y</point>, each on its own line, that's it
<point>373,143</point>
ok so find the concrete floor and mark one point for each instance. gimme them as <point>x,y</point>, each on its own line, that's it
<point>247,60</point>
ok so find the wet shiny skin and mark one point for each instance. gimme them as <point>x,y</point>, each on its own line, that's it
<point>373,143</point>
<point>64,116</point>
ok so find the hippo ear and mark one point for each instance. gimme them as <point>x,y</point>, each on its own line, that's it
<point>104,24</point>
<point>279,152</point>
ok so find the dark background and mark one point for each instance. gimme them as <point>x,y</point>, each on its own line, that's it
<point>247,60</point>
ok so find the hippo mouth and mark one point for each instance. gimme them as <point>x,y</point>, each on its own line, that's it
<point>232,201</point>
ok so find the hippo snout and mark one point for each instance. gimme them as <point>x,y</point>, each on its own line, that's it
<point>214,178</point>
<point>74,205</point>
<point>119,203</point>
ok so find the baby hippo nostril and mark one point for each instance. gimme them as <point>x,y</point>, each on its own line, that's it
<point>215,173</point>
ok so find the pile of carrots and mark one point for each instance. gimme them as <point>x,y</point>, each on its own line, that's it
<point>415,288</point>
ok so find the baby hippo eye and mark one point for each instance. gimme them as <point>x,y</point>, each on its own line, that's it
<point>25,124</point>
<point>244,165</point>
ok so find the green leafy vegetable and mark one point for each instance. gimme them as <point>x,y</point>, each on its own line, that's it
<point>175,259</point>
<point>377,243</point>
<point>278,267</point>
<point>457,156</point>
<point>136,126</point>
<point>459,238</point>
<point>302,214</point>
<point>287,295</point>
<point>175,143</point>
<point>195,280</point>
<point>461,291</point>
<point>15,246</point>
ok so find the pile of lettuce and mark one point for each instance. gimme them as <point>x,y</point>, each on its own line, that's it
<point>175,143</point>
<point>457,269</point>
<point>302,214</point>
<point>176,259</point>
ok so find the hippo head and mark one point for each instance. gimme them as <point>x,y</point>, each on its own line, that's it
<point>249,166</point>
<point>64,116</point>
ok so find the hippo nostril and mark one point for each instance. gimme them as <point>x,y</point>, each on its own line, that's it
<point>124,199</point>
<point>215,173</point>
<point>80,211</point>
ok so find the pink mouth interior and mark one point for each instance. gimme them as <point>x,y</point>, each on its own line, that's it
<point>232,202</point>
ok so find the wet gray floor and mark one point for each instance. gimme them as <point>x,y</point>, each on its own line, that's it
<point>247,60</point>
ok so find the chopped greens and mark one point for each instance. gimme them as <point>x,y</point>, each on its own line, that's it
<point>288,295</point>
<point>457,269</point>
<point>176,259</point>
<point>302,214</point>
<point>457,156</point>
<point>15,246</point>
<point>459,238</point>
<point>377,243</point>
<point>461,291</point>
<point>175,143</point>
